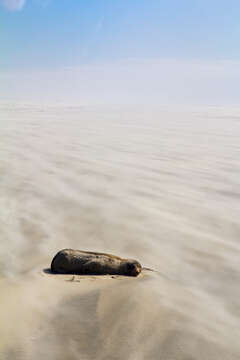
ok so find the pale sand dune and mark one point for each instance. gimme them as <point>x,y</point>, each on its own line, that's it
<point>155,185</point>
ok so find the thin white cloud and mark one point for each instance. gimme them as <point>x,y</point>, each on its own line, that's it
<point>16,5</point>
<point>13,5</point>
<point>99,24</point>
<point>43,3</point>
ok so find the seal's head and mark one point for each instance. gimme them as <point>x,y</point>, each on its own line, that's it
<point>132,268</point>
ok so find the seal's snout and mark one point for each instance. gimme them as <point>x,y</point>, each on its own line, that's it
<point>137,269</point>
<point>134,268</point>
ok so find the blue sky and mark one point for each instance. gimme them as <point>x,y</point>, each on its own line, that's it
<point>50,35</point>
<point>47,33</point>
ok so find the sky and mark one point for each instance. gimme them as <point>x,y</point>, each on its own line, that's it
<point>134,50</point>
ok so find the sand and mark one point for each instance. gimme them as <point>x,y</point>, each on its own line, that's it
<point>159,185</point>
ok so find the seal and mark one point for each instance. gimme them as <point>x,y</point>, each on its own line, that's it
<point>69,261</point>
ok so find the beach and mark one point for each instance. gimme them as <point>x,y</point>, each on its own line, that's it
<point>155,184</point>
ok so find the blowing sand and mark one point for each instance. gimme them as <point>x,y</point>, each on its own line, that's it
<point>158,186</point>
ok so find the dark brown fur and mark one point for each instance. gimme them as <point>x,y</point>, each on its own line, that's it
<point>69,261</point>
